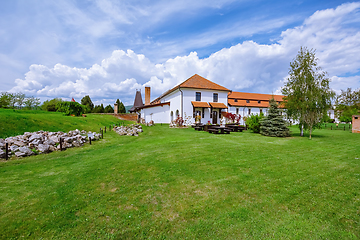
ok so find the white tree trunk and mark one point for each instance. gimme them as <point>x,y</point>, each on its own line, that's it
<point>302,130</point>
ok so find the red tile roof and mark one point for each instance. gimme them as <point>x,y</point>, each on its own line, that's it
<point>217,105</point>
<point>197,82</point>
<point>254,96</point>
<point>200,104</point>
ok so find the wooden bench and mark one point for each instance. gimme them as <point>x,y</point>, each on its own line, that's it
<point>215,131</point>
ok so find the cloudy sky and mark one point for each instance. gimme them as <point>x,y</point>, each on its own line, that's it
<point>109,48</point>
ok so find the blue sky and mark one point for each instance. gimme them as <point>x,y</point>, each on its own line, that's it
<point>107,49</point>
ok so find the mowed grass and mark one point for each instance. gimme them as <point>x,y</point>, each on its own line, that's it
<point>16,122</point>
<point>181,183</point>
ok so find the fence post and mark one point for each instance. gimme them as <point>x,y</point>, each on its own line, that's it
<point>331,127</point>
<point>344,128</point>
<point>90,140</point>
<point>6,151</point>
<point>102,134</point>
<point>60,140</point>
<point>110,128</point>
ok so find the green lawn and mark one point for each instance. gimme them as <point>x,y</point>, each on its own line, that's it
<point>181,183</point>
<point>16,122</point>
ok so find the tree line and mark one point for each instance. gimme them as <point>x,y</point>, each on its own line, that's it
<point>18,100</point>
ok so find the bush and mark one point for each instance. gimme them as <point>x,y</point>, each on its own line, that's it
<point>70,108</point>
<point>50,105</point>
<point>253,122</point>
<point>109,109</point>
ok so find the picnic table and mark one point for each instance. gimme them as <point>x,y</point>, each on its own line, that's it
<point>236,128</point>
<point>199,128</point>
<point>219,130</point>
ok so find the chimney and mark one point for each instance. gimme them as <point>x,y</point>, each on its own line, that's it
<point>147,95</point>
<point>115,108</point>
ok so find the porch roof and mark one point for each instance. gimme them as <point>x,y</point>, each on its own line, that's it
<point>200,104</point>
<point>217,105</point>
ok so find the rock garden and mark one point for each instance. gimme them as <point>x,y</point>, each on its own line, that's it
<point>44,142</point>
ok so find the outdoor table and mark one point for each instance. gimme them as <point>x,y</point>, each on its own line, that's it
<point>222,129</point>
<point>235,128</point>
<point>199,128</point>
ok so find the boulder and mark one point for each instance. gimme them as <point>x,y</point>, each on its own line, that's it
<point>34,137</point>
<point>14,148</point>
<point>27,151</point>
<point>2,154</point>
<point>43,148</point>
<point>21,154</point>
<point>19,143</point>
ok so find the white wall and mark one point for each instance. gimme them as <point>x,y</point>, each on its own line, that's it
<point>206,96</point>
<point>159,114</point>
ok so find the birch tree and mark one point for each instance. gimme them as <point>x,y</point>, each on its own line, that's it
<point>307,92</point>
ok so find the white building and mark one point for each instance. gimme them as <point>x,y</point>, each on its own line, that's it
<point>196,96</point>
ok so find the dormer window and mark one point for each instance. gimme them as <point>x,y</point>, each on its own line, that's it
<point>198,96</point>
<point>247,101</point>
<point>259,101</point>
<point>215,97</point>
<point>235,100</point>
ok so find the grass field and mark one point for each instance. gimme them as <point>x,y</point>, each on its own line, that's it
<point>181,183</point>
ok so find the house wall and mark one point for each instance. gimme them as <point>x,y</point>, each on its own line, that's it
<point>158,114</point>
<point>189,95</point>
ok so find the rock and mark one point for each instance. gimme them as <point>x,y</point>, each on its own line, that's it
<point>55,139</point>
<point>14,148</point>
<point>19,143</point>
<point>2,154</point>
<point>21,154</point>
<point>52,148</point>
<point>26,151</point>
<point>49,142</point>
<point>35,137</point>
<point>43,148</point>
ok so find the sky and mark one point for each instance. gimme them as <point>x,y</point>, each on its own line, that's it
<point>108,49</point>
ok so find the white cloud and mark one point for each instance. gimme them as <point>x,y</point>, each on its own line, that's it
<point>247,66</point>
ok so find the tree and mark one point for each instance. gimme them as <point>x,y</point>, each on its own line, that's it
<point>121,108</point>
<point>109,109</point>
<point>86,101</point>
<point>118,105</point>
<point>307,92</point>
<point>20,98</point>
<point>253,122</point>
<point>273,124</point>
<point>50,105</point>
<point>98,109</point>
<point>347,104</point>
<point>5,100</point>
<point>70,108</point>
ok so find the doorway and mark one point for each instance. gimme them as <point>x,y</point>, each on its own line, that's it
<point>214,117</point>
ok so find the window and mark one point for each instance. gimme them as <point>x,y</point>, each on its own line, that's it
<point>260,110</point>
<point>235,100</point>
<point>237,110</point>
<point>198,96</point>
<point>215,97</point>
<point>249,111</point>
<point>259,101</point>
<point>247,101</point>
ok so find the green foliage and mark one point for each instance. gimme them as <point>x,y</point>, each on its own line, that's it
<point>5,99</point>
<point>347,104</point>
<point>32,103</point>
<point>253,122</point>
<point>346,115</point>
<point>109,109</point>
<point>307,92</point>
<point>70,108</point>
<point>122,108</point>
<point>86,101</point>
<point>50,105</point>
<point>273,124</point>
<point>98,109</point>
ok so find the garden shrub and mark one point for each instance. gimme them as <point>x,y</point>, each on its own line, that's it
<point>70,108</point>
<point>253,122</point>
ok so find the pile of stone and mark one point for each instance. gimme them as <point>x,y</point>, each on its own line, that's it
<point>44,142</point>
<point>131,130</point>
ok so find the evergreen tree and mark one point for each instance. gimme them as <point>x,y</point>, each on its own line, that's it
<point>118,105</point>
<point>122,108</point>
<point>86,101</point>
<point>273,124</point>
<point>109,109</point>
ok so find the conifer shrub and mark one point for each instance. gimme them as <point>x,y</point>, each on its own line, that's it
<point>273,124</point>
